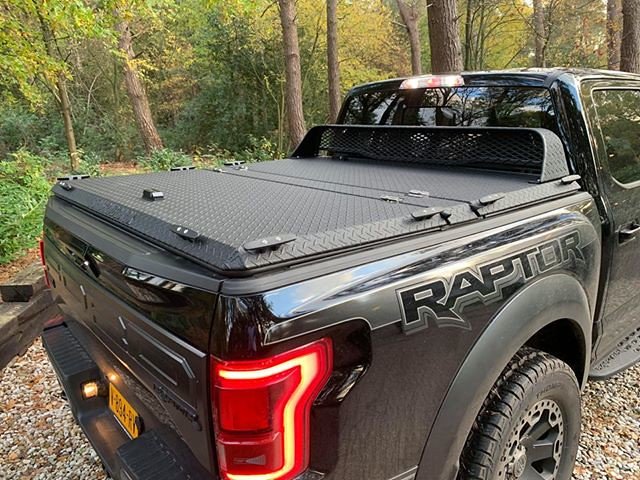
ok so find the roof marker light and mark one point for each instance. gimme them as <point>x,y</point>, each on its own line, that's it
<point>432,81</point>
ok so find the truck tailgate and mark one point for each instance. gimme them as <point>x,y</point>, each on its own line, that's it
<point>132,329</point>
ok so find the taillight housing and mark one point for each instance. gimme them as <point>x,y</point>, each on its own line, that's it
<point>44,264</point>
<point>262,408</point>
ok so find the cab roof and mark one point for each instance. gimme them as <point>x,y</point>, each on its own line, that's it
<point>530,77</point>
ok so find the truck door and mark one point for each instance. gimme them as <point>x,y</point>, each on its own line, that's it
<point>616,130</point>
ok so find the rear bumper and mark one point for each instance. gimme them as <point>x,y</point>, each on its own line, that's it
<point>158,453</point>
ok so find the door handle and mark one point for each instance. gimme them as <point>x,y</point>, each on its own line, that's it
<point>629,232</point>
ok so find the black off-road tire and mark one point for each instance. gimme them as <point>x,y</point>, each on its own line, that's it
<point>529,425</point>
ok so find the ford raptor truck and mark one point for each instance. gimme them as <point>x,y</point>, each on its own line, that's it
<point>418,292</point>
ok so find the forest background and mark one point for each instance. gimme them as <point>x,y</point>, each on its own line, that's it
<point>103,86</point>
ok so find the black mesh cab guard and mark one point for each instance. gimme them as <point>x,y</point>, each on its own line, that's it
<point>527,150</point>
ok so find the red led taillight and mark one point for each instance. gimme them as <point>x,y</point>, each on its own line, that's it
<point>261,411</point>
<point>44,264</point>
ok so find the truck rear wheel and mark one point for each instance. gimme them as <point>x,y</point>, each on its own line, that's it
<point>529,425</point>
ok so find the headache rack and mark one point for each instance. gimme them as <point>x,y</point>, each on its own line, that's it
<point>524,150</point>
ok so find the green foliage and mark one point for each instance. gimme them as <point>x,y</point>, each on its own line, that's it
<point>234,51</point>
<point>19,127</point>
<point>26,56</point>
<point>258,150</point>
<point>214,75</point>
<point>89,164</point>
<point>24,190</point>
<point>162,160</point>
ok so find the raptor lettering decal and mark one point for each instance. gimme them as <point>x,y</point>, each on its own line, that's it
<point>440,302</point>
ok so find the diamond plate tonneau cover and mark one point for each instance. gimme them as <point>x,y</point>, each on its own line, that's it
<point>297,207</point>
<point>380,178</point>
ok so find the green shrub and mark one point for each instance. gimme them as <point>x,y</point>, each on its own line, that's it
<point>24,190</point>
<point>89,164</point>
<point>21,128</point>
<point>57,164</point>
<point>258,150</point>
<point>161,160</point>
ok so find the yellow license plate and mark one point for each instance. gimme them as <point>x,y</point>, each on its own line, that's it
<point>123,411</point>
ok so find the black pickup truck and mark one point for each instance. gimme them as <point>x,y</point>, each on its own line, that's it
<point>418,292</point>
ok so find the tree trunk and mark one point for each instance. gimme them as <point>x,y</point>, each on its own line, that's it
<point>444,36</point>
<point>293,75</point>
<point>63,95</point>
<point>136,92</point>
<point>410,16</point>
<point>479,51</point>
<point>539,33</point>
<point>614,33</point>
<point>333,66</point>
<point>69,133</point>
<point>468,38</point>
<point>630,47</point>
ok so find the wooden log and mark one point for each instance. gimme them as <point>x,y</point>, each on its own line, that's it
<point>22,322</point>
<point>24,285</point>
<point>8,322</point>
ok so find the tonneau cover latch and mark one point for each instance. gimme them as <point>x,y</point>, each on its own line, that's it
<point>152,194</point>
<point>271,243</point>
<point>185,232</point>
<point>489,199</point>
<point>486,201</point>
<point>426,213</point>
<point>570,179</point>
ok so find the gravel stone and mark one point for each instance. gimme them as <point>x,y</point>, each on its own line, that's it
<point>40,440</point>
<point>610,441</point>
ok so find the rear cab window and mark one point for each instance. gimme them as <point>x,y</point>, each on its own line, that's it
<point>474,106</point>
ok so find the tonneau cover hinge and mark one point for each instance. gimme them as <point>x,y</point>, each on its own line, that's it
<point>418,193</point>
<point>236,164</point>
<point>73,177</point>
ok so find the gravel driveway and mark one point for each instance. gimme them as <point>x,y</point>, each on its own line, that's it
<point>40,440</point>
